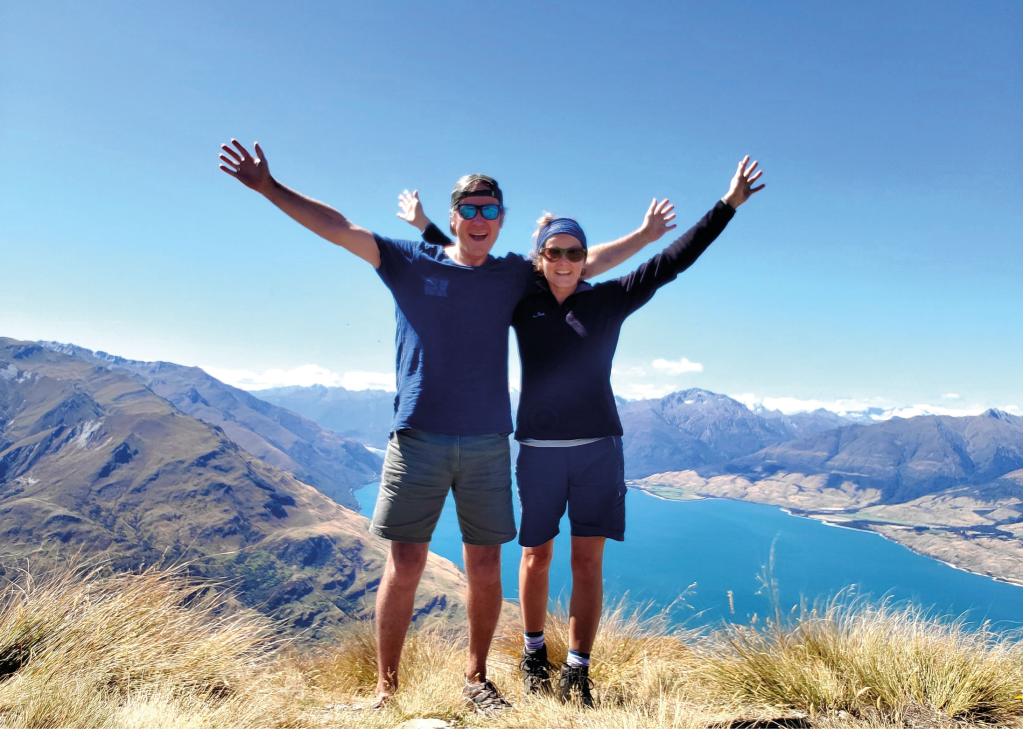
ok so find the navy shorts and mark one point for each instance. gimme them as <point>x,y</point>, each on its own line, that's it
<point>588,479</point>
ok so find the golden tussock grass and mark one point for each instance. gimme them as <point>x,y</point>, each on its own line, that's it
<point>90,649</point>
<point>79,647</point>
<point>875,661</point>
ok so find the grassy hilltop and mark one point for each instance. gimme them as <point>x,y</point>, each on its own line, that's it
<point>104,649</point>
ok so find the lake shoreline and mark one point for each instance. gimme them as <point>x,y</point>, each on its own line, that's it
<point>852,525</point>
<point>722,544</point>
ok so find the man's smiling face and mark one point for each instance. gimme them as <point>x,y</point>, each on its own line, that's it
<point>477,236</point>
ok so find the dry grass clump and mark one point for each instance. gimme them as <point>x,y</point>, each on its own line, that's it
<point>431,676</point>
<point>89,649</point>
<point>85,648</point>
<point>878,662</point>
<point>349,663</point>
<point>847,664</point>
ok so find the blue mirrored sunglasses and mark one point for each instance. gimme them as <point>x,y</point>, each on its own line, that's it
<point>490,212</point>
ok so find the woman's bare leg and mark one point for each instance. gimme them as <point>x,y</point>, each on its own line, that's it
<point>587,592</point>
<point>534,585</point>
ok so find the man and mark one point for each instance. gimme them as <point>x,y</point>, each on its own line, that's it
<point>452,415</point>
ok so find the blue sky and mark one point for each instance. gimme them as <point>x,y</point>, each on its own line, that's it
<point>881,264</point>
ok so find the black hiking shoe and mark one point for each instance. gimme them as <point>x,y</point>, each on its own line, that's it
<point>575,685</point>
<point>485,698</point>
<point>536,672</point>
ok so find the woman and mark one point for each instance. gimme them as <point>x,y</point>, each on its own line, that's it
<point>568,425</point>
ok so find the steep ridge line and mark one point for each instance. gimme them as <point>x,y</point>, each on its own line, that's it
<point>335,465</point>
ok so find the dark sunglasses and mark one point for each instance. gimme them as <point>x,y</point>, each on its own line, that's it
<point>572,254</point>
<point>490,212</point>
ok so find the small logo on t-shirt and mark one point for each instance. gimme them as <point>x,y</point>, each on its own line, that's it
<point>539,313</point>
<point>436,286</point>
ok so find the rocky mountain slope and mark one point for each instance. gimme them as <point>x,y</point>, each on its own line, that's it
<point>695,428</point>
<point>91,459</point>
<point>901,458</point>
<point>313,453</point>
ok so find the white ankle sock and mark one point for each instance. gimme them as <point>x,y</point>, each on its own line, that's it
<point>575,658</point>
<point>534,641</point>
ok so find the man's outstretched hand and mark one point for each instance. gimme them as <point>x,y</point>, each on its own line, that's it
<point>740,190</point>
<point>253,172</point>
<point>411,210</point>
<point>658,219</point>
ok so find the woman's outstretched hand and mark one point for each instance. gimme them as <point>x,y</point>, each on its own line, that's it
<point>740,190</point>
<point>253,172</point>
<point>658,219</point>
<point>411,210</point>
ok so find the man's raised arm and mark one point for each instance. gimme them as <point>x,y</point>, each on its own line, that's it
<point>656,223</point>
<point>325,221</point>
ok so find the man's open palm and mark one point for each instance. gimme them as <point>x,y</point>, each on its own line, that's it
<point>253,172</point>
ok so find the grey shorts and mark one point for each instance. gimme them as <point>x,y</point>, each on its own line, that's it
<point>421,467</point>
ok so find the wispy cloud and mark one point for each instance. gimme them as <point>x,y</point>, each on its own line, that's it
<point>303,376</point>
<point>642,390</point>
<point>628,372</point>
<point>911,411</point>
<point>950,396</point>
<point>877,408</point>
<point>639,382</point>
<point>790,405</point>
<point>677,367</point>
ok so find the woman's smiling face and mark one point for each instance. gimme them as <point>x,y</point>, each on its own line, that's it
<point>562,274</point>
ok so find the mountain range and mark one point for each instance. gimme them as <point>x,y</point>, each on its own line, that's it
<point>682,430</point>
<point>902,459</point>
<point>948,487</point>
<point>695,428</point>
<point>313,453</point>
<point>362,415</point>
<point>94,461</point>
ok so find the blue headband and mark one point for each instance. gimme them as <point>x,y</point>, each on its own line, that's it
<point>557,226</point>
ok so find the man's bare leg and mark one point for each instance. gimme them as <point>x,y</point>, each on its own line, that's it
<point>534,585</point>
<point>483,603</point>
<point>395,602</point>
<point>587,592</point>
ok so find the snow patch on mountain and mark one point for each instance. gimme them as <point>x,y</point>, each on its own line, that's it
<point>870,410</point>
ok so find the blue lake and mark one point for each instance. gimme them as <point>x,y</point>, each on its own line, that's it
<point>722,545</point>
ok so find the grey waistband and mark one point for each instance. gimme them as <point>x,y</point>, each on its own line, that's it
<point>559,443</point>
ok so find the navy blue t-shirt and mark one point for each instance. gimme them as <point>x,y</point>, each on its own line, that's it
<point>452,336</point>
